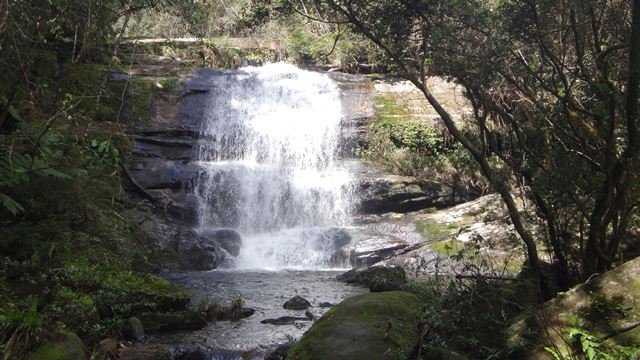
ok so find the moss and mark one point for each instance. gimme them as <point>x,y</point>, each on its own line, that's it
<point>68,295</point>
<point>601,308</point>
<point>367,326</point>
<point>68,346</point>
<point>629,338</point>
<point>389,109</point>
<point>434,230</point>
<point>447,247</point>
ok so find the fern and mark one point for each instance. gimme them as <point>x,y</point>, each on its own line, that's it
<point>19,168</point>
<point>556,355</point>
<point>10,205</point>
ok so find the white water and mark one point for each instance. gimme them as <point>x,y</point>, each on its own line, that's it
<point>268,166</point>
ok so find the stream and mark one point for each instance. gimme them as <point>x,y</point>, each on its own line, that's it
<point>265,291</point>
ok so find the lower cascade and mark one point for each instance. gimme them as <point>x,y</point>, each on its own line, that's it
<point>268,160</point>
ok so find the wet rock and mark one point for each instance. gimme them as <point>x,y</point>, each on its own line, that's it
<point>297,303</point>
<point>192,354</point>
<point>180,320</point>
<point>228,239</point>
<point>133,329</point>
<point>309,315</point>
<point>194,250</point>
<point>285,320</point>
<point>367,326</point>
<point>377,278</point>
<point>338,237</point>
<point>243,313</point>
<point>325,305</point>
<point>334,241</point>
<point>227,314</point>
<point>200,257</point>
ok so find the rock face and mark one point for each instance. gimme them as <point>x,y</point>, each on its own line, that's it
<point>194,251</point>
<point>394,193</point>
<point>606,307</point>
<point>297,303</point>
<point>161,163</point>
<point>162,167</point>
<point>367,327</point>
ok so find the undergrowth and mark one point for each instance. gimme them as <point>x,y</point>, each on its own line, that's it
<point>403,145</point>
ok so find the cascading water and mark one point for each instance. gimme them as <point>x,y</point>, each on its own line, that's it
<point>268,160</point>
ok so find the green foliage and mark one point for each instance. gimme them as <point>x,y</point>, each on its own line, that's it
<point>21,328</point>
<point>237,303</point>
<point>558,134</point>
<point>405,146</point>
<point>590,347</point>
<point>213,310</point>
<point>220,53</point>
<point>398,143</point>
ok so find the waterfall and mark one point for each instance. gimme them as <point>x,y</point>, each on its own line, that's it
<point>268,166</point>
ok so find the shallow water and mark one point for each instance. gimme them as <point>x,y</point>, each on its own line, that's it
<point>266,292</point>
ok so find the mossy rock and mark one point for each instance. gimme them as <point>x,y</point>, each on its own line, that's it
<point>604,307</point>
<point>628,338</point>
<point>368,327</point>
<point>448,247</point>
<point>136,294</point>
<point>435,230</point>
<point>377,278</point>
<point>66,346</point>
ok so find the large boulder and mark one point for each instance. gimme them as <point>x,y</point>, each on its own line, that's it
<point>132,329</point>
<point>63,346</point>
<point>297,303</point>
<point>201,254</point>
<point>606,307</point>
<point>368,327</point>
<point>196,251</point>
